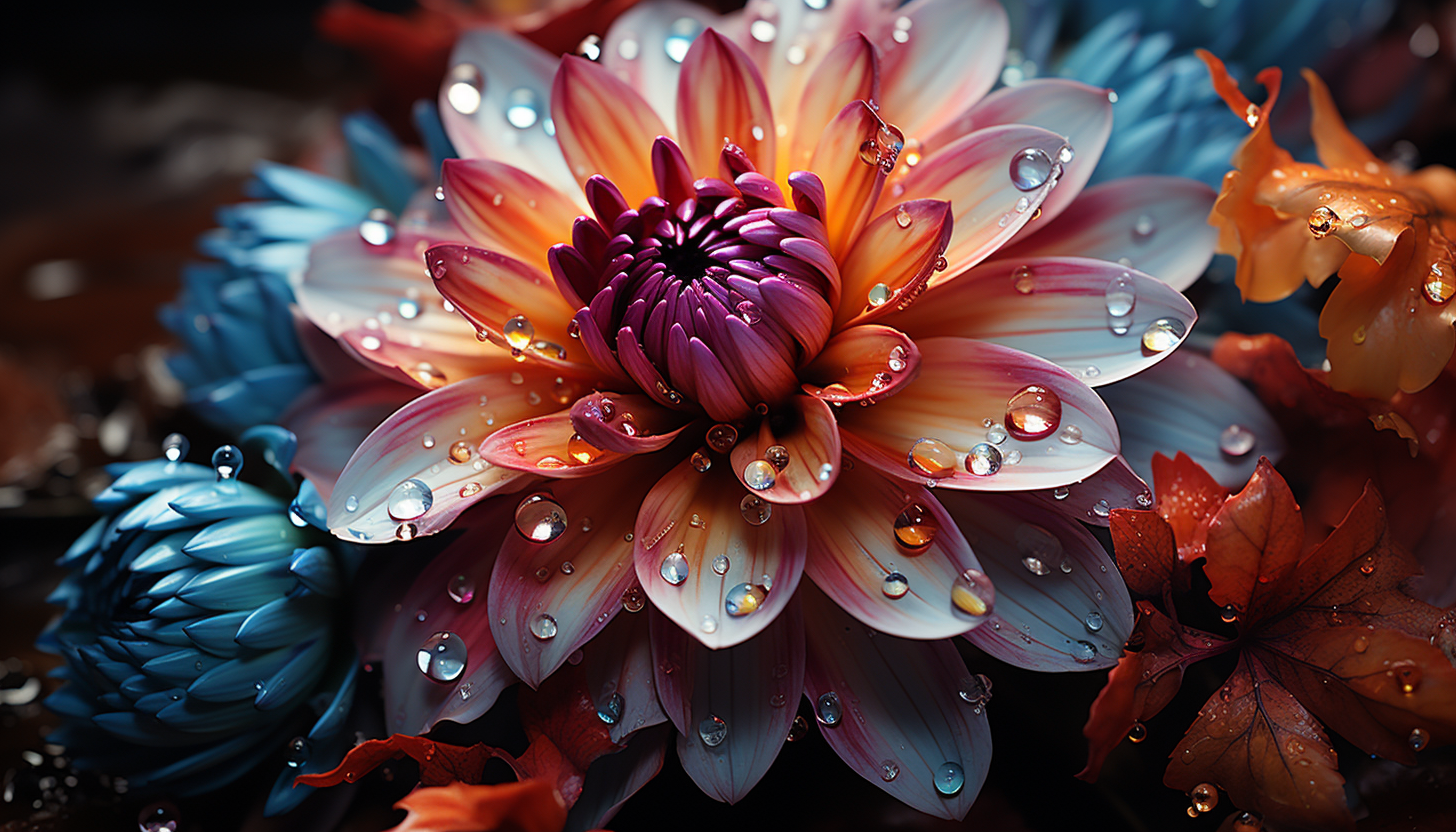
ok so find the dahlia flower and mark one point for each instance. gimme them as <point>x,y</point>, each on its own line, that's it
<point>199,627</point>
<point>749,288</point>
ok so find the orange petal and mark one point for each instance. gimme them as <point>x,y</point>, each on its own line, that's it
<point>722,98</point>
<point>806,432</point>
<point>527,806</point>
<point>604,127</point>
<point>851,185</point>
<point>506,209</point>
<point>862,363</point>
<point>849,73</point>
<point>892,260</point>
<point>548,446</point>
<point>940,56</point>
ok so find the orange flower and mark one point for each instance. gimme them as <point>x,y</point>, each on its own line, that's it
<point>1388,233</point>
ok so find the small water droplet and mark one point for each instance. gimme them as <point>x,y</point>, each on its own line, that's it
<point>748,311</point>
<point>744,599</point>
<point>983,460</point>
<point>828,709</point>
<point>1322,221</point>
<point>1248,822</point>
<point>722,437</point>
<point>976,690</point>
<point>543,626</point>
<point>1229,614</point>
<point>755,510</point>
<point>713,730</point>
<point>465,88</point>
<point>459,452</point>
<point>915,528</point>
<point>973,594</point>
<point>634,599</point>
<point>996,434</point>
<point>540,519</point>
<point>175,447</point>
<point>879,295</point>
<point>777,456</point>
<point>461,589</point>
<point>611,709</point>
<point>1236,440</point>
<point>1439,286</point>
<point>227,462</point>
<point>1084,652</point>
<point>470,489</point>
<point>1418,739</point>
<point>1137,733</point>
<point>297,752</point>
<point>950,778</point>
<point>709,624</point>
<point>895,585</point>
<point>701,461</point>
<point>903,218</point>
<point>889,771</point>
<point>1092,621</point>
<point>1036,566</point>
<point>674,569</point>
<point>1121,296</point>
<point>1070,435</point>
<point>1163,335</point>
<point>1023,279</point>
<point>442,657</point>
<point>720,564</point>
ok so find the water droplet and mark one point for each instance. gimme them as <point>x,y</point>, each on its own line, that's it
<point>175,447</point>
<point>442,657</point>
<point>1084,652</point>
<point>680,37</point>
<point>701,461</point>
<point>461,589</point>
<point>763,31</point>
<point>1030,169</point>
<point>932,458</point>
<point>1137,733</point>
<point>915,528</point>
<point>377,228</point>
<point>709,624</point>
<point>466,88</point>
<point>1070,435</point>
<point>518,332</point>
<point>470,489</point>
<point>889,771</point>
<point>611,709</point>
<point>996,434</point>
<point>158,817</point>
<point>523,108</point>
<point>744,599</point>
<point>634,599</point>
<point>755,510</point>
<point>1121,296</point>
<point>879,295</point>
<point>567,567</point>
<point>428,374</point>
<point>798,729</point>
<point>720,564</point>
<point>1163,335</point>
<point>826,470</point>
<point>1407,675</point>
<point>297,752</point>
<point>1322,221</point>
<point>1229,614</point>
<point>409,500</point>
<point>543,626</point>
<point>895,585</point>
<point>1092,621</point>
<point>1439,286</point>
<point>1033,412</point>
<point>722,437</point>
<point>1066,154</point>
<point>976,690</point>
<point>713,730</point>
<point>406,531</point>
<point>749,312</point>
<point>351,504</point>
<point>1236,440</point>
<point>983,460</point>
<point>1023,279</point>
<point>973,594</point>
<point>828,709</point>
<point>674,569</point>
<point>427,441</point>
<point>1204,797</point>
<point>540,519</point>
<point>903,218</point>
<point>950,778</point>
<point>1036,566</point>
<point>1418,738</point>
<point>1248,822</point>
<point>1102,509</point>
<point>777,456</point>
<point>759,475</point>
<point>227,462</point>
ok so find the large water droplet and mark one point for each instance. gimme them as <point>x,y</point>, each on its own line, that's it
<point>540,519</point>
<point>543,626</point>
<point>410,500</point>
<point>915,528</point>
<point>1030,169</point>
<point>713,730</point>
<point>1236,440</point>
<point>227,462</point>
<point>755,509</point>
<point>1033,412</point>
<point>1092,621</point>
<point>1322,221</point>
<point>895,585</point>
<point>377,228</point>
<point>297,752</point>
<point>744,599</point>
<point>759,475</point>
<point>1121,296</point>
<point>442,657</point>
<point>828,709</point>
<point>674,569</point>
<point>879,295</point>
<point>1163,335</point>
<point>973,594</point>
<point>983,460</point>
<point>611,709</point>
<point>518,332</point>
<point>748,312</point>
<point>461,589</point>
<point>466,88</point>
<point>175,447</point>
<point>950,778</point>
<point>932,458</point>
<point>1204,797</point>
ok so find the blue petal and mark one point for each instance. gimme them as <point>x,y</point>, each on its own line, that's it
<point>296,678</point>
<point>379,161</point>
<point>277,446</point>
<point>182,667</point>
<point>223,500</point>
<point>163,556</point>
<point>315,568</point>
<point>246,540</point>
<point>432,132</point>
<point>237,587</point>
<point>239,678</point>
<point>217,633</point>
<point>284,621</point>
<point>304,188</point>
<point>142,729</point>
<point>310,506</point>
<point>85,544</point>
<point>195,715</point>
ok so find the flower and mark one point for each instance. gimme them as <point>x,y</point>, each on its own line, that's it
<point>199,628</point>
<point>1387,233</point>
<point>740,321</point>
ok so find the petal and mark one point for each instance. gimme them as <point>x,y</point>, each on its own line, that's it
<point>892,260</point>
<point>940,55</point>
<point>604,127</point>
<point>614,778</point>
<point>805,430</point>
<point>647,44</point>
<point>721,99</point>
<point>413,701</point>
<point>700,516</point>
<point>506,209</point>
<point>900,708</point>
<point>854,544</point>
<point>627,424</point>
<point>493,292</point>
<point>862,363</point>
<point>974,174</point>
<point>491,73</point>
<point>423,441</point>
<point>551,598</point>
<point>331,420</point>
<point>849,73</point>
<point>1061,604</point>
<point>1157,224</point>
<point>751,688</point>
<point>547,446</point>
<point>963,389</point>
<point>1092,500</point>
<point>1078,111</point>
<point>1190,404</point>
<point>1058,308</point>
<point>619,662</point>
<point>851,186</point>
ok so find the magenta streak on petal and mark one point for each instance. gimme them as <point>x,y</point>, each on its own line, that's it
<point>625,423</point>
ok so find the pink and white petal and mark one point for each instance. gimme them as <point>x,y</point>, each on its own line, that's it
<point>862,363</point>
<point>854,546</point>
<point>422,441</point>
<point>547,446</point>
<point>851,187</point>
<point>331,420</point>
<point>1092,500</point>
<point>1190,404</point>
<point>506,209</point>
<point>413,701</point>
<point>619,662</point>
<point>804,427</point>
<point>626,423</point>
<point>959,398</point>
<point>613,778</point>
<point>849,73</point>
<point>1068,108</point>
<point>646,46</point>
<point>752,688</point>
<point>900,708</point>
<point>1157,224</point>
<point>491,72</point>
<point>892,260</point>
<point>721,98</point>
<point>551,598</point>
<point>604,127</point>
<point>1058,308</point>
<point>1061,604</point>
<point>974,174</point>
<point>424,362</point>
<point>939,55</point>
<point>701,516</point>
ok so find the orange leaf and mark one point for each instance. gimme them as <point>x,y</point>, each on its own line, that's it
<point>1187,499</point>
<point>1146,551</point>
<point>527,806</point>
<point>1258,537</point>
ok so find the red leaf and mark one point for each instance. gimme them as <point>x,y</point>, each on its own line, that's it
<point>1187,499</point>
<point>527,806</point>
<point>566,734</point>
<point>1146,550</point>
<point>1254,740</point>
<point>1258,536</point>
<point>439,763</point>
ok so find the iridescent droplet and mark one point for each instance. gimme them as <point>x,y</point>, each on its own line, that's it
<point>983,460</point>
<point>442,657</point>
<point>895,585</point>
<point>1036,566</point>
<point>755,509</point>
<point>461,589</point>
<point>828,709</point>
<point>410,500</point>
<point>611,709</point>
<point>543,626</point>
<point>973,593</point>
<point>1033,412</point>
<point>748,312</point>
<point>713,730</point>
<point>932,458</point>
<point>744,599</point>
<point>950,778</point>
<point>701,461</point>
<point>1439,287</point>
<point>759,475</point>
<point>674,569</point>
<point>1163,335</point>
<point>1030,169</point>
<point>540,519</point>
<point>1137,733</point>
<point>1236,440</point>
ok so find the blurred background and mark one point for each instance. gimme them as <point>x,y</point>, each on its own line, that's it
<point>123,127</point>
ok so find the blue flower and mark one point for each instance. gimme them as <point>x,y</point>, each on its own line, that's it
<point>199,629</point>
<point>241,362</point>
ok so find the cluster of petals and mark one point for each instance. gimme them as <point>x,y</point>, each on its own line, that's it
<point>720,309</point>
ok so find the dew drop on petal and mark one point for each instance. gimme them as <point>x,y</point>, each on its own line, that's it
<point>721,564</point>
<point>889,770</point>
<point>932,458</point>
<point>1033,412</point>
<point>879,295</point>
<point>1229,614</point>
<point>377,228</point>
<point>518,332</point>
<point>1418,739</point>
<point>915,528</point>
<point>461,589</point>
<point>410,500</point>
<point>976,690</point>
<point>1035,566</point>
<point>1236,441</point>
<point>543,626</point>
<point>470,489</point>
<point>777,456</point>
<point>983,460</point>
<point>459,453</point>
<point>1070,435</point>
<point>1322,221</point>
<point>744,599</point>
<point>175,447</point>
<point>1023,279</point>
<point>950,778</point>
<point>1120,296</point>
<point>755,510</point>
<point>709,624</point>
<point>634,599</point>
<point>227,462</point>
<point>828,709</point>
<point>351,504</point>
<point>466,88</point>
<point>610,710</point>
<point>748,311</point>
<point>701,461</point>
<point>1030,169</point>
<point>895,585</point>
<point>1092,621</point>
<point>674,569</point>
<point>298,750</point>
<point>1038,544</point>
<point>798,729</point>
<point>713,730</point>
<point>442,657</point>
<point>973,594</point>
<point>540,519</point>
<point>1084,652</point>
<point>1204,797</point>
<point>1248,822</point>
<point>1163,335</point>
<point>759,475</point>
<point>1439,285</point>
